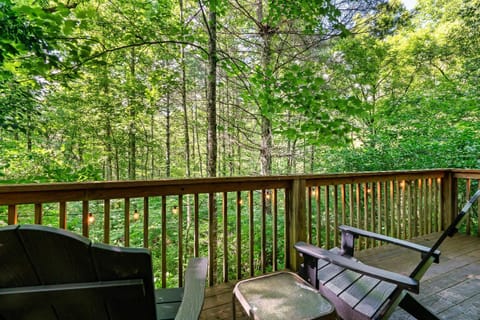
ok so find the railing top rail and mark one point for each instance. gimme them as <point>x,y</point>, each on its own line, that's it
<point>466,173</point>
<point>376,176</point>
<point>55,192</point>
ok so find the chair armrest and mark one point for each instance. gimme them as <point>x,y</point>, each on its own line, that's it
<point>194,292</point>
<point>350,233</point>
<point>402,281</point>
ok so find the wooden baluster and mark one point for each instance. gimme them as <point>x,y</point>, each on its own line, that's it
<point>408,210</point>
<point>392,208</point>
<point>430,205</point>
<point>251,226</point>
<point>225,236</point>
<point>468,185</point>
<point>212,238</point>
<point>351,206</point>
<point>85,218</point>
<point>126,230</point>
<point>12,214</point>
<point>415,208</point>
<point>423,203</point>
<point>146,211</point>
<point>379,209</point>
<point>373,205</point>
<point>164,241</point>
<point>287,245</point>
<point>427,207</point>
<point>365,213</point>
<point>196,235</point>
<point>398,211</point>
<point>274,229</point>
<point>384,199</point>
<point>106,221</point>
<point>62,212</point>
<point>309,214</point>
<point>239,234</point>
<point>358,223</point>
<point>344,204</point>
<point>335,216</point>
<point>404,213</point>
<point>263,238</point>
<point>180,240</point>
<point>319,215</point>
<point>38,213</point>
<point>327,217</point>
<point>438,222</point>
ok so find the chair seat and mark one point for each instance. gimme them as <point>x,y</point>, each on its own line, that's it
<point>363,294</point>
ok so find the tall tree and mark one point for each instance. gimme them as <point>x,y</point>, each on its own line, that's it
<point>184,93</point>
<point>212,143</point>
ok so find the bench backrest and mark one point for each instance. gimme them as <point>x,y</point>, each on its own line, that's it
<point>48,273</point>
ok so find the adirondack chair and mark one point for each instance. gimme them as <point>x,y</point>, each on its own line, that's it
<point>359,291</point>
<point>48,273</point>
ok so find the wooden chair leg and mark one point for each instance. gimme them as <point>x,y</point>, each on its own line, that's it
<point>417,310</point>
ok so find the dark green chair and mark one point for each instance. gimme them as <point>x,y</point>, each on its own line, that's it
<point>48,273</point>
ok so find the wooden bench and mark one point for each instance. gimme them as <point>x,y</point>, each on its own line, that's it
<point>48,273</point>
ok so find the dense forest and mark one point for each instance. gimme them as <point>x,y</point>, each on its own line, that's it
<point>132,89</point>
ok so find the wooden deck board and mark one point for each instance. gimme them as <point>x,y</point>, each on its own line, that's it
<point>451,289</point>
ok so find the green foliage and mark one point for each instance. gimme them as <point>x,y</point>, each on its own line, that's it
<point>31,36</point>
<point>381,93</point>
<point>315,15</point>
<point>391,17</point>
<point>315,113</point>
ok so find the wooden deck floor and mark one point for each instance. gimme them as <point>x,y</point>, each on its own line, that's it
<point>451,289</point>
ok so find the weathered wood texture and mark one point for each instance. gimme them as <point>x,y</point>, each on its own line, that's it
<point>451,288</point>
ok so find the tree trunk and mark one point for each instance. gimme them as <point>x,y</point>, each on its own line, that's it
<point>131,128</point>
<point>212,92</point>
<point>167,138</point>
<point>266,124</point>
<point>184,100</point>
<point>212,135</point>
<point>152,148</point>
<point>108,147</point>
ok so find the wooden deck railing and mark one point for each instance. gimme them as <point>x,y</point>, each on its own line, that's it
<point>245,225</point>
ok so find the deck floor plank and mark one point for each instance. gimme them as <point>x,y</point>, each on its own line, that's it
<point>451,288</point>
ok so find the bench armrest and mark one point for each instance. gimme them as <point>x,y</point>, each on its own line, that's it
<point>349,234</point>
<point>317,253</point>
<point>194,292</point>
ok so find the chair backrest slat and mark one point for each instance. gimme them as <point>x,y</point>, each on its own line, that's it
<point>16,268</point>
<point>114,263</point>
<point>57,256</point>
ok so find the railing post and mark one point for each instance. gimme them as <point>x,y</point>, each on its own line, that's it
<point>449,198</point>
<point>297,221</point>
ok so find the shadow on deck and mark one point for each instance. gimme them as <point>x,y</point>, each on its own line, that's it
<point>451,288</point>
